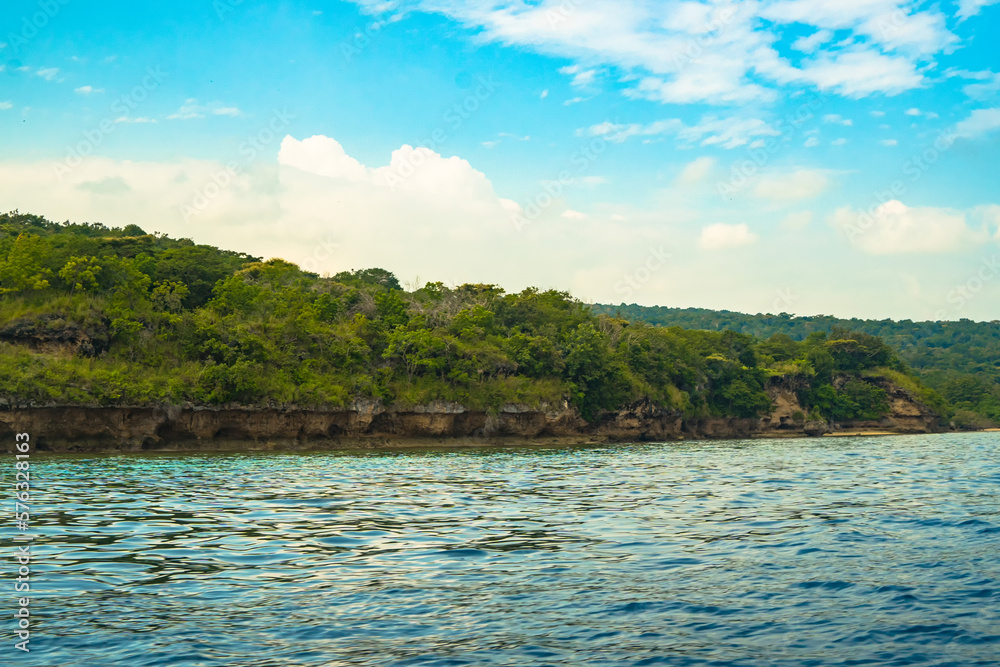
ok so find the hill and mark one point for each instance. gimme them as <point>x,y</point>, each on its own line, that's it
<point>959,359</point>
<point>99,316</point>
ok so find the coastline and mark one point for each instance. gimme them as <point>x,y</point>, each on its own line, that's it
<point>368,425</point>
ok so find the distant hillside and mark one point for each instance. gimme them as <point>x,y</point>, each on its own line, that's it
<point>961,360</point>
<point>98,316</point>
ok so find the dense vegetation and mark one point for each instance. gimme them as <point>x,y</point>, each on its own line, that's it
<point>98,315</point>
<point>960,360</point>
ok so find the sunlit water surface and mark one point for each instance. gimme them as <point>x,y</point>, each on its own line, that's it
<point>846,551</point>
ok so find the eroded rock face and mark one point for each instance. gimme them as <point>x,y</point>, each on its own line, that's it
<point>51,333</point>
<point>369,424</point>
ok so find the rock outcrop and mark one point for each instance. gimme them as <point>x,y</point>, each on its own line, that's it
<point>369,424</point>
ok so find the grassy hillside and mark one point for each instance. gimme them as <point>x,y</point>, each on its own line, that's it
<point>960,360</point>
<point>115,316</point>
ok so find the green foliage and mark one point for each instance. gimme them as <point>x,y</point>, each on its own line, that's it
<point>80,273</point>
<point>368,278</point>
<point>855,400</point>
<point>23,269</point>
<point>168,321</point>
<point>938,353</point>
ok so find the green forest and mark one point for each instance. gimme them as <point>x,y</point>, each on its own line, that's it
<point>960,360</point>
<point>93,315</point>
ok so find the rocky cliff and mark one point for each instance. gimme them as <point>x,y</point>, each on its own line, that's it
<point>369,424</point>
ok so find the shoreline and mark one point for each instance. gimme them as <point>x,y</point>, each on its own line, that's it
<point>367,425</point>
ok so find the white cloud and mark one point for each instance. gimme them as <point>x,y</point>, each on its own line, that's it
<point>810,142</point>
<point>137,119</point>
<point>323,156</point>
<point>813,41</point>
<point>48,73</point>
<point>792,186</point>
<point>582,78</point>
<point>680,51</point>
<point>888,142</point>
<point>883,22</point>
<point>191,109</point>
<point>570,214</point>
<point>4,106</point>
<point>980,123</point>
<point>912,112</point>
<point>838,142</point>
<point>894,228</point>
<point>544,94</point>
<point>721,236</point>
<point>730,132</point>
<point>877,114</point>
<point>87,90</point>
<point>988,88</point>
<point>969,8</point>
<point>695,172</point>
<point>837,119</point>
<point>859,73</point>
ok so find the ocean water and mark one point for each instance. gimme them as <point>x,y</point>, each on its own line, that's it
<point>830,551</point>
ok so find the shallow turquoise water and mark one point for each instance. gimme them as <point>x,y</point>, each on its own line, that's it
<point>874,551</point>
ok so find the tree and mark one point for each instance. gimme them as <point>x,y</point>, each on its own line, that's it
<point>23,269</point>
<point>81,273</point>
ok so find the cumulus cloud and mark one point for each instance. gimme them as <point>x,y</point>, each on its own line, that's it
<point>4,106</point>
<point>721,236</point>
<point>87,90</point>
<point>894,228</point>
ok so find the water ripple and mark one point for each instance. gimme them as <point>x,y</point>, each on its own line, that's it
<point>859,551</point>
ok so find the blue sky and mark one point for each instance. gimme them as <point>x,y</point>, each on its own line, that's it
<point>781,155</point>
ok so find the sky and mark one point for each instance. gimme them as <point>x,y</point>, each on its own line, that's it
<point>798,156</point>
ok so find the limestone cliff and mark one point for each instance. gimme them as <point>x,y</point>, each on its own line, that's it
<point>369,424</point>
